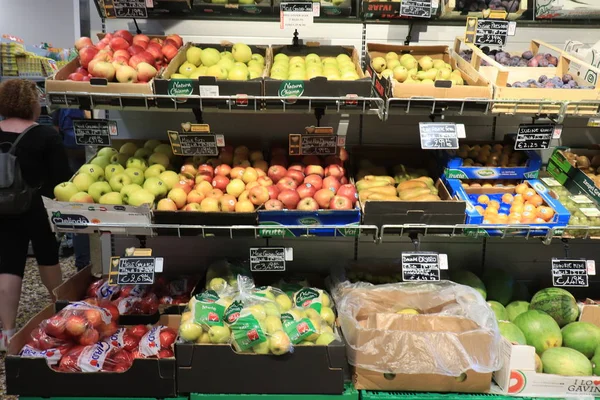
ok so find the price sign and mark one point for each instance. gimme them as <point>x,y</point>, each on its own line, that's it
<point>125,9</point>
<point>321,145</point>
<point>268,258</point>
<point>438,135</point>
<point>416,8</point>
<point>94,132</point>
<point>491,32</point>
<point>419,266</point>
<point>195,144</point>
<point>296,15</point>
<point>569,273</point>
<point>134,270</point>
<point>534,136</point>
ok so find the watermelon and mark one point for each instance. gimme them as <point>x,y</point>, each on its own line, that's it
<point>581,336</point>
<point>511,332</point>
<point>596,361</point>
<point>515,308</point>
<point>541,330</point>
<point>499,310</point>
<point>566,362</point>
<point>469,279</point>
<point>558,303</point>
<point>499,285</point>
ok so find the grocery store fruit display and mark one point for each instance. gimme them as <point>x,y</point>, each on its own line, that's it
<point>498,310</point>
<point>565,81</point>
<point>488,183</point>
<point>565,361</point>
<point>481,5</point>
<point>405,68</point>
<point>499,285</point>
<point>511,332</point>
<point>311,66</point>
<point>239,64</point>
<point>525,59</point>
<point>590,167</point>
<point>556,302</point>
<point>578,210</point>
<point>123,57</point>
<point>515,308</point>
<point>407,184</point>
<point>468,278</point>
<point>497,155</point>
<point>540,329</point>
<point>581,336</point>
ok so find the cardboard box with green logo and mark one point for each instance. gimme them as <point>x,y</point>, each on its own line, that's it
<point>580,165</point>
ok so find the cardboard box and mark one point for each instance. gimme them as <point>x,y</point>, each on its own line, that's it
<point>233,7</point>
<point>273,223</point>
<point>33,377</point>
<point>590,55</point>
<point>448,10</point>
<point>561,166</point>
<point>475,87</point>
<point>566,9</point>
<point>318,86</point>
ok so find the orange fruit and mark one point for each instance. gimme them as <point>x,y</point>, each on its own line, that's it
<point>491,210</point>
<point>494,204</point>
<point>507,198</point>
<point>518,198</point>
<point>539,221</point>
<point>545,212</point>
<point>526,220</point>
<point>487,221</point>
<point>536,200</point>
<point>515,215</point>
<point>521,187</point>
<point>528,215</point>
<point>513,221</point>
<point>502,218</point>
<point>529,207</point>
<point>480,209</point>
<point>528,194</point>
<point>483,199</point>
<point>517,208</point>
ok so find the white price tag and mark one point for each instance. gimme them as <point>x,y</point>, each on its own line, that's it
<point>443,260</point>
<point>590,212</point>
<point>591,267</point>
<point>580,199</point>
<point>557,132</point>
<point>209,90</point>
<point>461,133</point>
<point>551,182</point>
<point>317,9</point>
<point>158,264</point>
<point>289,254</point>
<point>512,28</point>
<point>296,15</point>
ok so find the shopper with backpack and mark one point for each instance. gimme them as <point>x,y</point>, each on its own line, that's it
<point>32,162</point>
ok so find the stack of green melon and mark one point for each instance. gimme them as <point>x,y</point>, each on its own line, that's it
<point>573,350</point>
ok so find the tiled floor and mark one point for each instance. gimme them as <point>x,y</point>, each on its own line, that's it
<point>33,299</point>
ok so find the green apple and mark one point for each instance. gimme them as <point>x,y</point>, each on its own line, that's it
<point>155,186</point>
<point>99,189</point>
<point>210,56</point>
<point>271,309</point>
<point>284,302</point>
<point>107,152</point>
<point>325,300</point>
<point>117,181</point>
<point>258,311</point>
<point>81,197</point>
<point>255,64</point>
<point>280,76</point>
<point>101,161</point>
<point>190,331</point>
<point>279,343</point>
<point>312,57</point>
<point>325,338</point>
<point>159,158</point>
<point>350,76</point>
<point>193,55</point>
<point>164,149</point>
<point>343,57</point>
<point>297,76</point>
<point>387,73</point>
<point>151,144</point>
<point>64,191</point>
<point>259,58</point>
<point>226,63</point>
<point>312,313</point>
<point>281,57</point>
<point>136,162</point>
<point>127,190</point>
<point>306,343</point>
<point>219,334</point>
<point>261,348</point>
<point>327,315</point>
<point>278,70</point>
<point>140,197</point>
<point>170,178</point>
<point>217,284</point>
<point>326,328</point>
<point>379,64</point>
<point>253,73</point>
<point>296,60</point>
<point>112,169</point>
<point>330,61</point>
<point>241,52</point>
<point>120,158</point>
<point>128,148</point>
<point>391,64</point>
<point>204,338</point>
<point>93,170</point>
<point>113,198</point>
<point>186,69</point>
<point>83,181</point>
<point>154,170</point>
<point>226,54</point>
<point>238,74</point>
<point>217,71</point>
<point>273,324</point>
<point>136,175</point>
<point>179,76</point>
<point>143,152</point>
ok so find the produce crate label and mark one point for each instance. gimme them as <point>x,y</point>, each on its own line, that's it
<point>569,273</point>
<point>117,339</point>
<point>309,144</point>
<point>92,357</point>
<point>291,89</point>
<point>297,329</point>
<point>133,270</point>
<point>180,87</point>
<point>125,9</point>
<point>531,137</point>
<point>296,15</point>
<point>233,311</point>
<point>309,297</point>
<point>267,259</point>
<point>580,199</point>
<point>208,90</point>
<point>246,331</point>
<point>438,135</point>
<point>420,266</point>
<point>94,132</point>
<point>550,182</point>
<point>590,212</point>
<point>208,310</point>
<point>416,8</point>
<point>194,144</point>
<point>52,356</point>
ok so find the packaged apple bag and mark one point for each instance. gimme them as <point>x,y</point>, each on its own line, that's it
<point>98,357</point>
<point>223,274</point>
<point>158,342</point>
<point>204,312</point>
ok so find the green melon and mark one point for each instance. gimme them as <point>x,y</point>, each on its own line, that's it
<point>499,285</point>
<point>566,362</point>
<point>499,310</point>
<point>511,332</point>
<point>556,302</point>
<point>596,361</point>
<point>469,279</point>
<point>515,308</point>
<point>541,330</point>
<point>581,336</point>
<point>539,366</point>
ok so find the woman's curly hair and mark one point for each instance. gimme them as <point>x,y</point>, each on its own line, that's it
<point>18,99</point>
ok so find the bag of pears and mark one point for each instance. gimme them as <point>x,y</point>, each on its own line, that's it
<point>203,319</point>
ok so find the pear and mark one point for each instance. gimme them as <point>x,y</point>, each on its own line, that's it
<point>405,57</point>
<point>438,64</point>
<point>448,66</point>
<point>409,63</point>
<point>391,64</point>
<point>443,74</point>
<point>421,75</point>
<point>387,73</point>
<point>411,80</point>
<point>457,80</point>
<point>427,82</point>
<point>431,74</point>
<point>426,63</point>
<point>391,56</point>
<point>379,64</point>
<point>400,73</point>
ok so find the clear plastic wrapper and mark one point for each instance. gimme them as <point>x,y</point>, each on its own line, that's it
<point>98,357</point>
<point>52,356</point>
<point>204,311</point>
<point>146,305</point>
<point>158,342</point>
<point>222,275</point>
<point>418,328</point>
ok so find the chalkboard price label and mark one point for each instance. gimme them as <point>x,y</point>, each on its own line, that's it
<point>267,259</point>
<point>533,137</point>
<point>569,273</point>
<point>94,132</point>
<point>125,9</point>
<point>134,270</point>
<point>420,266</point>
<point>416,8</point>
<point>320,145</point>
<point>296,15</point>
<point>195,144</point>
<point>491,32</point>
<point>438,135</point>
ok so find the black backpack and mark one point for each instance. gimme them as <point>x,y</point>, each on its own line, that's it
<point>15,194</point>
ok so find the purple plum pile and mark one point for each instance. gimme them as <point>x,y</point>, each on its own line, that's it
<point>527,59</point>
<point>480,5</point>
<point>557,82</point>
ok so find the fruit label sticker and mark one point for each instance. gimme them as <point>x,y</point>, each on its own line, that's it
<point>418,266</point>
<point>247,331</point>
<point>125,9</point>
<point>208,310</point>
<point>531,137</point>
<point>438,135</point>
<point>133,270</point>
<point>94,132</point>
<point>92,357</point>
<point>194,144</point>
<point>491,32</point>
<point>416,8</point>
<point>309,298</point>
<point>305,145</point>
<point>180,87</point>
<point>269,258</point>
<point>296,15</point>
<point>298,329</point>
<point>569,273</point>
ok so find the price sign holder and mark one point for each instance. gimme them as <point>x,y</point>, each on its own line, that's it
<point>316,141</point>
<point>294,15</point>
<point>421,266</point>
<point>125,9</point>
<point>569,272</point>
<point>438,135</point>
<point>481,31</point>
<point>94,132</point>
<point>533,137</point>
<point>195,140</point>
<point>416,8</point>
<point>269,259</point>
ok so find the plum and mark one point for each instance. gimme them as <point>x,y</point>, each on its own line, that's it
<point>550,85</point>
<point>542,78</point>
<point>567,77</point>
<point>547,56</point>
<point>513,6</point>
<point>528,55</point>
<point>514,61</point>
<point>543,62</point>
<point>522,63</point>
<point>552,60</point>
<point>533,62</point>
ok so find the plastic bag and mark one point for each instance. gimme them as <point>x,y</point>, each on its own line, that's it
<point>146,305</point>
<point>455,331</point>
<point>158,342</point>
<point>205,310</point>
<point>222,275</point>
<point>52,356</point>
<point>98,357</point>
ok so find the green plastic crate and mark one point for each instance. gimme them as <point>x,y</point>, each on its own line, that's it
<point>349,394</point>
<point>100,398</point>
<point>373,395</point>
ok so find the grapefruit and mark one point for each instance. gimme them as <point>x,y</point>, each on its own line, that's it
<point>469,279</point>
<point>515,308</point>
<point>566,362</point>
<point>541,330</point>
<point>511,332</point>
<point>581,336</point>
<point>556,302</point>
<point>498,310</point>
<point>499,285</point>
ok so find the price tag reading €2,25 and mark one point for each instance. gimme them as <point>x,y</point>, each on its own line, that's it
<point>296,15</point>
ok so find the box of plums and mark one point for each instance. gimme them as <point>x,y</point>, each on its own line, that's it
<point>461,9</point>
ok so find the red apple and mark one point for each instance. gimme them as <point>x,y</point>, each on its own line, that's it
<point>237,172</point>
<point>223,170</point>
<point>314,170</point>
<point>135,60</point>
<point>103,55</point>
<point>104,69</point>
<point>75,77</point>
<point>139,38</point>
<point>276,172</point>
<point>125,35</point>
<point>82,71</point>
<point>170,42</point>
<point>183,185</point>
<point>273,191</point>
<point>334,170</point>
<point>227,203</point>
<point>195,197</point>
<point>348,191</point>
<point>121,54</point>
<point>192,207</point>
<point>323,197</point>
<point>297,167</point>
<point>118,43</point>
<point>258,195</point>
<point>83,42</point>
<point>344,180</point>
<point>297,176</point>
<point>340,203</point>
<point>286,183</point>
<point>156,53</point>
<point>314,180</point>
<point>332,184</point>
<point>148,57</point>
<point>188,170</point>
<point>273,204</point>
<point>206,168</point>
<point>306,190</point>
<point>311,160</point>
<point>289,198</point>
<point>166,205</point>
<point>156,40</point>
<point>220,182</point>
<point>86,55</point>
<point>126,74</point>
<point>264,180</point>
<point>203,176</point>
<point>102,45</point>
<point>343,154</point>
<point>177,39</point>
<point>169,51</point>
<point>146,72</point>
<point>135,49</point>
<point>333,160</point>
<point>308,204</point>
